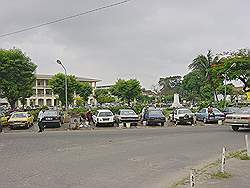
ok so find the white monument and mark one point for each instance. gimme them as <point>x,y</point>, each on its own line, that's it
<point>176,103</point>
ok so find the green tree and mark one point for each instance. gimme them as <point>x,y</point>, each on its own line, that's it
<point>204,64</point>
<point>17,75</point>
<point>104,96</point>
<point>127,90</point>
<point>84,91</point>
<point>236,67</point>
<point>57,83</point>
<point>145,99</point>
<point>191,85</point>
<point>170,85</point>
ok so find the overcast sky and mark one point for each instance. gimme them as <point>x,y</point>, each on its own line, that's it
<point>142,39</point>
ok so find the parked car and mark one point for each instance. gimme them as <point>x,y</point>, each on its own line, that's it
<point>103,117</point>
<point>153,116</point>
<point>209,116</point>
<point>127,116</point>
<point>52,118</point>
<point>230,110</point>
<point>183,116</point>
<point>21,120</point>
<point>240,119</point>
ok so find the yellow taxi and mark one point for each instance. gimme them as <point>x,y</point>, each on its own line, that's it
<point>21,119</point>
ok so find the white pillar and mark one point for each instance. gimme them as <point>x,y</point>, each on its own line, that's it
<point>28,102</point>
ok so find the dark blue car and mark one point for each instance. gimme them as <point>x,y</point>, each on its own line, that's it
<point>153,116</point>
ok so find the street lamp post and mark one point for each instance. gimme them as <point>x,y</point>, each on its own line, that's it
<point>225,82</point>
<point>66,87</point>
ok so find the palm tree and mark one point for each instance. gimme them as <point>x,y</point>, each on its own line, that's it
<point>204,64</point>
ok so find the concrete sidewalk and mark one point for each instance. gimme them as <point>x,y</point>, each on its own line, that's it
<point>240,171</point>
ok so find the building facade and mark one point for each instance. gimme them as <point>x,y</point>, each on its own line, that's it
<point>43,94</point>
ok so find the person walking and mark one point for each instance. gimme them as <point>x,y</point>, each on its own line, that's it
<point>40,117</point>
<point>89,117</point>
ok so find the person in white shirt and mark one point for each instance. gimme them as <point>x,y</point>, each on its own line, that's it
<point>39,118</point>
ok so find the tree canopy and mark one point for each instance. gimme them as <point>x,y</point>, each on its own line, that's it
<point>57,83</point>
<point>127,90</point>
<point>104,96</point>
<point>236,66</point>
<point>17,75</point>
<point>170,85</point>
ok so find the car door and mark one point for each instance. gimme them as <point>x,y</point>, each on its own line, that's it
<point>200,114</point>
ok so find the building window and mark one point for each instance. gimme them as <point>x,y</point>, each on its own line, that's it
<point>46,83</point>
<point>40,92</point>
<point>40,83</point>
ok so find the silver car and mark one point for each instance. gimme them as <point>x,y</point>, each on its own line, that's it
<point>239,119</point>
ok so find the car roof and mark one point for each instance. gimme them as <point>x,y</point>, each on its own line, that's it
<point>51,110</point>
<point>183,109</point>
<point>20,112</point>
<point>104,110</point>
<point>126,109</point>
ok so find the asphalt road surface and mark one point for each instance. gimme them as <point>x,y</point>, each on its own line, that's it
<point>110,158</point>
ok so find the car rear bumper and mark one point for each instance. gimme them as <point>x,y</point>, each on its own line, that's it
<point>239,124</point>
<point>54,123</point>
<point>156,120</point>
<point>215,119</point>
<point>129,120</point>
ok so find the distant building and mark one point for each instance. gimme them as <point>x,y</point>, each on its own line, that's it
<point>43,95</point>
<point>104,87</point>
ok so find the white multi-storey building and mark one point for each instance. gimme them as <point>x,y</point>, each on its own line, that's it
<point>43,95</point>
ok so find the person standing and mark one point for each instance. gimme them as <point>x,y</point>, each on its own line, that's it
<point>40,117</point>
<point>89,117</point>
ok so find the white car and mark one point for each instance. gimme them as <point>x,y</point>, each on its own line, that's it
<point>182,116</point>
<point>103,117</point>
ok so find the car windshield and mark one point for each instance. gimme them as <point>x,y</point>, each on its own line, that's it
<point>50,113</point>
<point>127,112</point>
<point>19,115</point>
<point>215,110</point>
<point>155,112</point>
<point>105,114</point>
<point>232,109</point>
<point>184,111</point>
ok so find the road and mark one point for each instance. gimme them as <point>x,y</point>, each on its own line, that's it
<point>110,158</point>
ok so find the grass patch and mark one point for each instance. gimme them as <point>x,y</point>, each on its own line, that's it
<point>220,175</point>
<point>242,155</point>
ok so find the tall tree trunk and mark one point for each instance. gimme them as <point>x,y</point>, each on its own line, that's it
<point>12,104</point>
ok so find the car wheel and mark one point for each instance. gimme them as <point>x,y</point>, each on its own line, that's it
<point>204,120</point>
<point>162,124</point>
<point>235,128</point>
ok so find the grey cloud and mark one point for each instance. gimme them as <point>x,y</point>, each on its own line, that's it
<point>143,39</point>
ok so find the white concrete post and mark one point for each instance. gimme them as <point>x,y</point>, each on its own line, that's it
<point>247,145</point>
<point>192,178</point>
<point>223,160</point>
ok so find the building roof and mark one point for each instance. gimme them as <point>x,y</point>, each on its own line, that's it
<point>45,76</point>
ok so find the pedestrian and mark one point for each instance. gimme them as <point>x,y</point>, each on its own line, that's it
<point>89,117</point>
<point>40,118</point>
